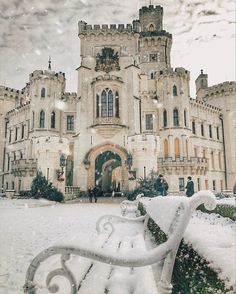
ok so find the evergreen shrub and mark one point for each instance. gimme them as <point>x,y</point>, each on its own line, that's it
<point>40,188</point>
<point>191,273</point>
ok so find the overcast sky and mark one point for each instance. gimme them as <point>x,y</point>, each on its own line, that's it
<point>31,30</point>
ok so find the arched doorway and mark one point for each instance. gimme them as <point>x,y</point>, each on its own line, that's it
<point>105,165</point>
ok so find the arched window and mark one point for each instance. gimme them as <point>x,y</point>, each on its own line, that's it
<point>165,118</point>
<point>177,148</point>
<point>185,118</point>
<point>104,103</point>
<point>151,28</point>
<point>117,105</point>
<point>176,117</point>
<point>152,75</point>
<point>110,103</point>
<point>53,120</point>
<point>97,105</point>
<point>43,93</point>
<point>42,119</point>
<point>166,149</point>
<point>174,90</point>
<point>33,117</point>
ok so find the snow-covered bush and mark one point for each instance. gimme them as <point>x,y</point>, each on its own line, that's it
<point>145,186</point>
<point>40,188</point>
<point>224,210</point>
<point>191,273</point>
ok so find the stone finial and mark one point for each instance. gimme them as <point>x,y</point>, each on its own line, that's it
<point>49,63</point>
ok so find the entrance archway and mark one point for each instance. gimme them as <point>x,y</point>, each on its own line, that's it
<point>106,165</point>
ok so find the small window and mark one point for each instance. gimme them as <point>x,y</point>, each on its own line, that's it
<point>70,123</point>
<point>97,105</point>
<point>176,117</point>
<point>42,119</point>
<point>8,162</point>
<point>198,184</point>
<point>193,127</point>
<point>16,134</point>
<point>117,105</point>
<point>10,136</point>
<point>217,133</point>
<point>153,57</point>
<point>13,185</point>
<point>165,118</point>
<point>174,90</point>
<point>202,130</point>
<point>22,131</point>
<point>185,118</point>
<point>151,28</point>
<point>149,122</point>
<point>53,120</point>
<point>214,185</point>
<point>43,93</point>
<point>210,131</point>
<point>7,186</point>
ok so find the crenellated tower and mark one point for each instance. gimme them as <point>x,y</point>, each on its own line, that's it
<point>154,42</point>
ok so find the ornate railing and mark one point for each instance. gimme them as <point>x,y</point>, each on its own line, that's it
<point>182,162</point>
<point>22,167</point>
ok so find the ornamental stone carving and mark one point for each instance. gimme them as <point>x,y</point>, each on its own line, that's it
<point>107,61</point>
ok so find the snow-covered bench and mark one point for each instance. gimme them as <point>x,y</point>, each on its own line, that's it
<point>130,207</point>
<point>118,262</point>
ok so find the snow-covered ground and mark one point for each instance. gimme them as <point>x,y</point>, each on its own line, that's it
<point>27,230</point>
<point>28,226</point>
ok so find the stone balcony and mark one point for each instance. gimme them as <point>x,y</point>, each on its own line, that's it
<point>23,167</point>
<point>193,165</point>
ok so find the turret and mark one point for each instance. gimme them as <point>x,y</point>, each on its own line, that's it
<point>201,84</point>
<point>155,43</point>
<point>151,18</point>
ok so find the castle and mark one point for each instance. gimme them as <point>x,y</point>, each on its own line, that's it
<point>131,117</point>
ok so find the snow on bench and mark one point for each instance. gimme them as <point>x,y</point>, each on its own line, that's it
<point>118,262</point>
<point>130,207</point>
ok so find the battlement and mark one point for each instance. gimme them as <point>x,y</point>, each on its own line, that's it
<point>69,97</point>
<point>221,89</point>
<point>86,28</point>
<point>19,108</point>
<point>46,74</point>
<point>6,91</point>
<point>179,71</point>
<point>150,9</point>
<point>205,105</point>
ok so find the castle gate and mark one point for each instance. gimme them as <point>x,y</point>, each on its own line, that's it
<point>107,166</point>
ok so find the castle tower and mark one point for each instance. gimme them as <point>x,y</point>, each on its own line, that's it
<point>155,43</point>
<point>201,84</point>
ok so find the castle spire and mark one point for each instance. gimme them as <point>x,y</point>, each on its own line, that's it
<point>49,63</point>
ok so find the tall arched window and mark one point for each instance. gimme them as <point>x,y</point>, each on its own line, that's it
<point>53,120</point>
<point>176,117</point>
<point>104,103</point>
<point>97,105</point>
<point>43,93</point>
<point>165,118</point>
<point>185,118</point>
<point>174,90</point>
<point>166,149</point>
<point>110,103</point>
<point>42,119</point>
<point>117,105</point>
<point>177,148</point>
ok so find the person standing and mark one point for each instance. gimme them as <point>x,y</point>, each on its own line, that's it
<point>189,187</point>
<point>165,187</point>
<point>90,194</point>
<point>158,185</point>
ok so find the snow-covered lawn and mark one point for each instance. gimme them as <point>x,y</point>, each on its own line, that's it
<point>28,226</point>
<point>26,230</point>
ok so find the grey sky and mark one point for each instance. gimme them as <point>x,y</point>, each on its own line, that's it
<point>30,31</point>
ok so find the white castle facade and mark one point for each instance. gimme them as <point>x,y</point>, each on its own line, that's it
<point>131,117</point>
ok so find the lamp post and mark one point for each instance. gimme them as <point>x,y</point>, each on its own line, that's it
<point>60,173</point>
